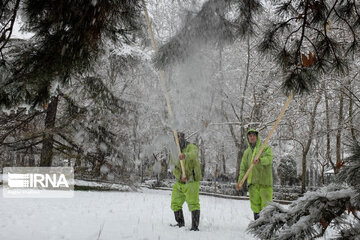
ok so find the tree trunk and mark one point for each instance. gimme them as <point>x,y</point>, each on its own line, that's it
<point>243,139</point>
<point>78,160</point>
<point>215,176</point>
<point>308,143</point>
<point>18,160</point>
<point>339,130</point>
<point>223,159</point>
<point>351,115</point>
<point>142,169</point>
<point>328,139</point>
<point>31,158</point>
<point>48,139</point>
<point>202,156</point>
<point>99,161</point>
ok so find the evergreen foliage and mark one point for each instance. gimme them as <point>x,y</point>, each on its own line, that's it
<point>309,216</point>
<point>306,38</point>
<point>287,170</point>
<point>68,38</point>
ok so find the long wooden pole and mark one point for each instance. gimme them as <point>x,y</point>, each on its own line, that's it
<point>163,87</point>
<point>239,184</point>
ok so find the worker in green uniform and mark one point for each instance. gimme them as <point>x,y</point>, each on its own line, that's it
<point>187,188</point>
<point>260,179</point>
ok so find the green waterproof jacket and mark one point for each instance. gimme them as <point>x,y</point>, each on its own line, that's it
<point>191,164</point>
<point>261,173</point>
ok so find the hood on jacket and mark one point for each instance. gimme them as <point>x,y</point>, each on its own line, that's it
<point>258,142</point>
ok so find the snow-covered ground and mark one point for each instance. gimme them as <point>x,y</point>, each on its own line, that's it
<point>119,215</point>
<point>111,186</point>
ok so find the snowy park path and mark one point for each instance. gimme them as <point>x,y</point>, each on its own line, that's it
<point>120,215</point>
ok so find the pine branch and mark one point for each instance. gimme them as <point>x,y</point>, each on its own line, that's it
<point>3,38</point>
<point>25,146</point>
<point>69,38</point>
<point>350,172</point>
<point>17,126</point>
<point>306,218</point>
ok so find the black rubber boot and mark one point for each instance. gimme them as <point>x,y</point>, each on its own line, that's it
<point>195,217</point>
<point>256,216</point>
<point>179,217</point>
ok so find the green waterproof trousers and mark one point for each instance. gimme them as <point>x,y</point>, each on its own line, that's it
<point>259,196</point>
<point>188,192</point>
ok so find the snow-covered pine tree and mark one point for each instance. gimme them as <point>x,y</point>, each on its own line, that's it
<point>95,125</point>
<point>287,170</point>
<point>92,120</point>
<point>336,206</point>
<point>68,39</point>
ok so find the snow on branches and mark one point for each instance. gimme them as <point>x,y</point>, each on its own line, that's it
<point>308,217</point>
<point>336,205</point>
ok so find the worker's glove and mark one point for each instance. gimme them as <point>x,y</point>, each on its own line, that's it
<point>238,187</point>
<point>183,179</point>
